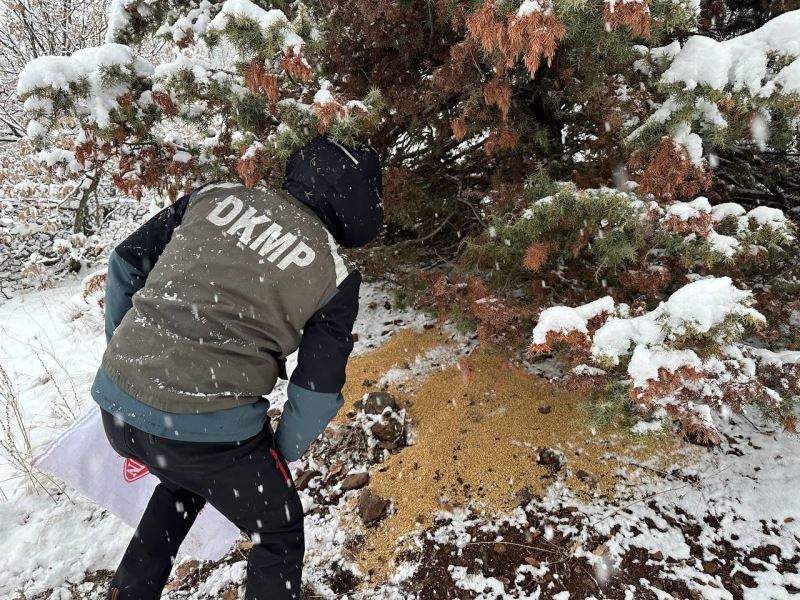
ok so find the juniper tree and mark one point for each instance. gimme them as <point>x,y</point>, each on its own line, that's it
<point>481,92</point>
<point>238,90</point>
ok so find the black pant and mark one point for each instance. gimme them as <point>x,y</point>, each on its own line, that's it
<point>246,481</point>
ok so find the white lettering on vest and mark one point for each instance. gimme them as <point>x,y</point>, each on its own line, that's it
<point>216,216</point>
<point>273,242</point>
<point>270,243</point>
<point>301,255</point>
<point>246,223</point>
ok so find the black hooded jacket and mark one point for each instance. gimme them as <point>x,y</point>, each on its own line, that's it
<point>343,186</point>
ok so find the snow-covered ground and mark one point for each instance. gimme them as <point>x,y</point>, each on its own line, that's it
<point>50,345</point>
<point>51,342</point>
<point>732,510</point>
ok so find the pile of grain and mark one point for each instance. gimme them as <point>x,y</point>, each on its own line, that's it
<point>476,441</point>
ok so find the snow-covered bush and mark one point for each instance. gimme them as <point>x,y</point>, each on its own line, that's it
<point>683,359</point>
<point>716,93</point>
<point>238,95</point>
<point>639,243</point>
<point>31,28</point>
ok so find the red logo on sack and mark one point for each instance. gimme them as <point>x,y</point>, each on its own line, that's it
<point>133,470</point>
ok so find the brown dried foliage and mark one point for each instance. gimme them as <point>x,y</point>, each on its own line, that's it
<point>165,103</point>
<point>252,75</point>
<point>692,427</point>
<point>145,169</point>
<point>702,224</point>
<point>669,173</point>
<point>459,68</point>
<point>296,66</point>
<point>476,289</point>
<point>597,321</point>
<point>504,39</point>
<point>581,382</point>
<point>90,150</point>
<point>650,282</point>
<point>790,424</point>
<point>498,92</point>
<point>93,288</point>
<point>633,15</point>
<point>536,256</point>
<point>502,137</point>
<point>441,294</point>
<point>251,168</point>
<point>667,383</point>
<point>577,342</point>
<point>186,40</point>
<point>327,113</point>
<point>499,322</point>
<point>534,36</point>
<point>258,79</point>
<point>460,128</point>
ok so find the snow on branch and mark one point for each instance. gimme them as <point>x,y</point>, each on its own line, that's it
<point>108,106</point>
<point>684,358</point>
<point>761,62</point>
<point>614,232</point>
<point>716,93</point>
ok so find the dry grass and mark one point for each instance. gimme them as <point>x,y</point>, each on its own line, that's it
<point>15,441</point>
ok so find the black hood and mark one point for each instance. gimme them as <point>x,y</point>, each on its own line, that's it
<point>342,185</point>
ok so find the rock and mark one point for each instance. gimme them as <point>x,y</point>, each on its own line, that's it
<point>389,431</point>
<point>524,496</point>
<point>355,481</point>
<point>304,477</point>
<point>658,555</point>
<point>710,567</point>
<point>274,412</point>
<point>544,410</point>
<point>183,569</point>
<point>587,477</point>
<point>550,458</point>
<point>376,402</point>
<point>371,508</point>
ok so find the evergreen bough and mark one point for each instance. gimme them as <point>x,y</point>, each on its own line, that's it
<point>241,92</point>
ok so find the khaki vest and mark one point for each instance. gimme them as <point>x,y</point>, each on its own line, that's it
<point>225,302</point>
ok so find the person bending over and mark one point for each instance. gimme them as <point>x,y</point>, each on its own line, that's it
<point>204,303</point>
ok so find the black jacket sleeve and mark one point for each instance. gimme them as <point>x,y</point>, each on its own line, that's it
<point>327,340</point>
<point>142,248</point>
<point>132,260</point>
<point>314,395</point>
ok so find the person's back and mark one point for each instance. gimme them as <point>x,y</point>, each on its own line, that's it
<point>226,301</point>
<point>203,304</point>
